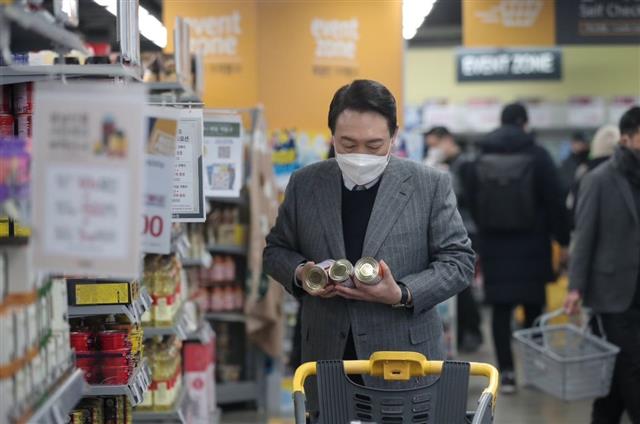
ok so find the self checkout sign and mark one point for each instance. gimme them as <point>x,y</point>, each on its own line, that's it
<point>508,65</point>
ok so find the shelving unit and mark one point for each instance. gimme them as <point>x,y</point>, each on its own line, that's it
<point>61,399</point>
<point>28,73</point>
<point>133,311</point>
<point>226,316</point>
<point>134,389</point>
<point>178,413</point>
<point>203,334</point>
<point>220,249</point>
<point>178,328</point>
<point>241,391</point>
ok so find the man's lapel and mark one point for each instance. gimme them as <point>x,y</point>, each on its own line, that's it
<point>328,203</point>
<point>625,188</point>
<point>394,192</point>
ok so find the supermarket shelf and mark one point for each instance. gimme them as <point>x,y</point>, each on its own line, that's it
<point>193,262</point>
<point>178,327</point>
<point>227,250</point>
<point>241,391</point>
<point>44,24</point>
<point>178,413</point>
<point>203,334</point>
<point>134,390</point>
<point>133,311</point>
<point>226,316</point>
<point>61,400</point>
<point>14,241</point>
<point>28,73</point>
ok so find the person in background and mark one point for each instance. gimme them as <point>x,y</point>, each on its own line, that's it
<point>602,146</point>
<point>443,151</point>
<point>605,266</point>
<point>366,202</point>
<point>518,208</point>
<point>579,155</point>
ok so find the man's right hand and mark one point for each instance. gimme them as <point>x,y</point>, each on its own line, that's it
<point>329,290</point>
<point>572,302</point>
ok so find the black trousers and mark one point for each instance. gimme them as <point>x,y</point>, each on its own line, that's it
<point>623,330</point>
<point>469,319</point>
<point>501,327</point>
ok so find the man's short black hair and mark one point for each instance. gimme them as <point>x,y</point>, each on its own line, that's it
<point>578,136</point>
<point>439,132</point>
<point>364,96</point>
<point>630,121</point>
<point>514,114</point>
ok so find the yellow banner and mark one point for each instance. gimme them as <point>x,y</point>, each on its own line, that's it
<point>501,23</point>
<point>225,32</point>
<point>307,50</point>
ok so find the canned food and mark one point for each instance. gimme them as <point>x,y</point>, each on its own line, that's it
<point>6,125</point>
<point>25,125</point>
<point>368,271</point>
<point>5,99</point>
<point>316,277</point>
<point>113,340</point>
<point>23,98</point>
<point>81,341</point>
<point>341,271</point>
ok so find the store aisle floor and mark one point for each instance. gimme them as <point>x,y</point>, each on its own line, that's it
<point>527,406</point>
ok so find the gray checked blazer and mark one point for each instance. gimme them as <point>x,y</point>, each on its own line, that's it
<point>414,226</point>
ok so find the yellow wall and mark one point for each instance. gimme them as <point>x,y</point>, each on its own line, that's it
<point>592,70</point>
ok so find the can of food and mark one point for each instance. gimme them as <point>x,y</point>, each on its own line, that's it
<point>6,125</point>
<point>5,99</point>
<point>368,271</point>
<point>113,340</point>
<point>81,341</point>
<point>341,271</point>
<point>23,98</point>
<point>316,278</point>
<point>25,125</point>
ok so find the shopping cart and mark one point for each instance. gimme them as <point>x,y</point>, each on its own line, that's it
<point>341,401</point>
<point>565,361</point>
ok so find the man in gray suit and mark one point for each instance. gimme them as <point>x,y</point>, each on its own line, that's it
<point>369,203</point>
<point>605,265</point>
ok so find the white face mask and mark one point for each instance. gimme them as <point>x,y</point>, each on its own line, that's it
<point>362,168</point>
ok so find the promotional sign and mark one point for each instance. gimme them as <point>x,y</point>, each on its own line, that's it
<point>225,33</point>
<point>88,192</point>
<point>501,23</point>
<point>159,175</point>
<point>598,22</point>
<point>441,112</point>
<point>541,113</point>
<point>223,155</point>
<point>483,115</point>
<point>508,65</point>
<point>187,204</point>
<point>586,111</point>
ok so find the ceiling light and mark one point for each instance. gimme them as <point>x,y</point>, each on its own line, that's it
<point>413,14</point>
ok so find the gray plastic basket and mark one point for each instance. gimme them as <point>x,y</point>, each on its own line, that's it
<point>565,361</point>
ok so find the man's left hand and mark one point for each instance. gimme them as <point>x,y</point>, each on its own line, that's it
<point>386,291</point>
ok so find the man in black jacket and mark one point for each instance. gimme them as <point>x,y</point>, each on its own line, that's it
<point>518,207</point>
<point>605,265</point>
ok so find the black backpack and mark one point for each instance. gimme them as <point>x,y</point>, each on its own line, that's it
<point>505,192</point>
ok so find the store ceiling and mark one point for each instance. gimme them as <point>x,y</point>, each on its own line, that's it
<point>443,26</point>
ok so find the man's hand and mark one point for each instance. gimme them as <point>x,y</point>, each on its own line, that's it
<point>386,291</point>
<point>572,302</point>
<point>329,290</point>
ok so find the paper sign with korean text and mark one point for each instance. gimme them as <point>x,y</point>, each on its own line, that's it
<point>162,129</point>
<point>223,155</point>
<point>87,176</point>
<point>188,192</point>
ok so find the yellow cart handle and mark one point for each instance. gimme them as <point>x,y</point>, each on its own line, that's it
<point>399,366</point>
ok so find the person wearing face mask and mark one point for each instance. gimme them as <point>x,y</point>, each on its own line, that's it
<point>366,202</point>
<point>605,266</point>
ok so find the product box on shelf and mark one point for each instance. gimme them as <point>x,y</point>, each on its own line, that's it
<point>199,377</point>
<point>19,273</point>
<point>83,292</point>
<point>59,306</point>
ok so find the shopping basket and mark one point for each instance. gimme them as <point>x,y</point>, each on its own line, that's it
<point>341,401</point>
<point>565,361</point>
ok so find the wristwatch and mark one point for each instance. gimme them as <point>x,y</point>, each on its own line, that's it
<point>404,297</point>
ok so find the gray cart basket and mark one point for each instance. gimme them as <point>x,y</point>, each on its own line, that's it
<point>565,361</point>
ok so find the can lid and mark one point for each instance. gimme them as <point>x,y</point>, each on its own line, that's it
<point>367,270</point>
